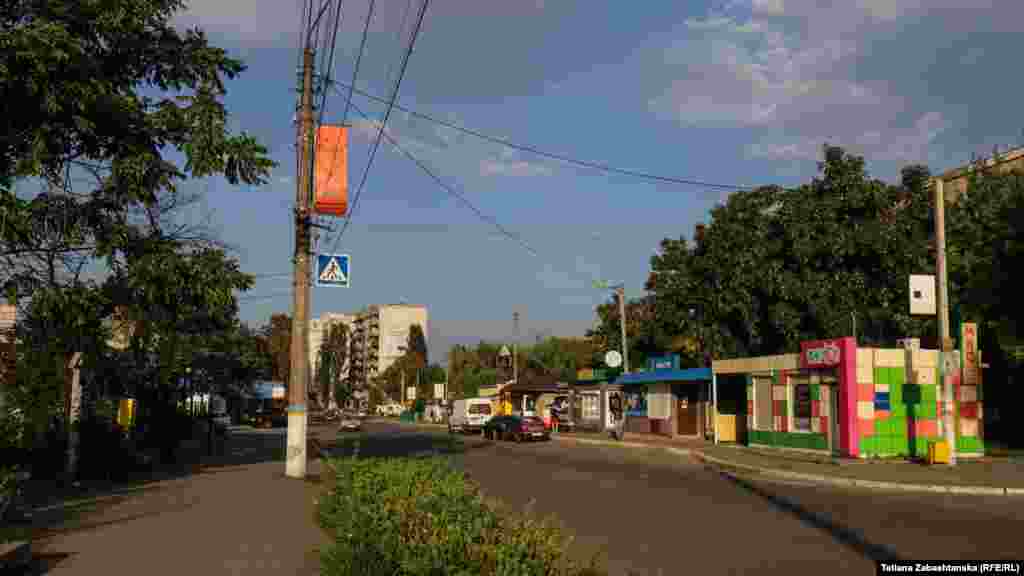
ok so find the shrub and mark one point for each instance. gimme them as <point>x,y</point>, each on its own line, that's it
<point>420,517</point>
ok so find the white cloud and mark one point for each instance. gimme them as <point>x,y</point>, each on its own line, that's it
<point>440,145</point>
<point>510,166</point>
<point>767,6</point>
<point>800,75</point>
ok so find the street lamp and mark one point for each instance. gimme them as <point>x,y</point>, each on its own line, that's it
<point>620,290</point>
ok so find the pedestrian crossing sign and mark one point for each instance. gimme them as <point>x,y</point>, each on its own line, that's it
<point>332,270</point>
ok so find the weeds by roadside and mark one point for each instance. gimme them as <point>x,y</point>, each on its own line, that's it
<point>419,516</point>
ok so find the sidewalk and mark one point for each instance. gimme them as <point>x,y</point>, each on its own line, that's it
<point>982,476</point>
<point>991,476</point>
<point>233,513</point>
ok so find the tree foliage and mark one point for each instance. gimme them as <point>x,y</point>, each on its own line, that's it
<point>826,259</point>
<point>278,337</point>
<point>108,109</point>
<point>333,358</point>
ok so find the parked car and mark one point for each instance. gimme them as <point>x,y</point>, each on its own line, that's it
<point>518,428</point>
<point>469,415</point>
<point>350,422</point>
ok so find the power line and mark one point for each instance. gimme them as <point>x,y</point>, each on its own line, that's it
<point>554,156</point>
<point>451,191</point>
<point>359,57</point>
<point>387,116</point>
<point>269,275</point>
<point>355,76</point>
<point>330,61</point>
<point>401,34</point>
<point>270,296</point>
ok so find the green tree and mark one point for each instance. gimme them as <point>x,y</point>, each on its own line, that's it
<point>108,108</point>
<point>278,334</point>
<point>333,356</point>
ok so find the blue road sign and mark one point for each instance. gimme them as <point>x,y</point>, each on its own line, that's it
<point>333,270</point>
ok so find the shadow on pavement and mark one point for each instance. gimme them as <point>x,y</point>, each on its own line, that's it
<point>407,445</point>
<point>846,536</point>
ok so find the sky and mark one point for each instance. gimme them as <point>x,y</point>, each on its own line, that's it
<point>740,93</point>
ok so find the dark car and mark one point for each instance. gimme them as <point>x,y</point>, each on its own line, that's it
<point>518,428</point>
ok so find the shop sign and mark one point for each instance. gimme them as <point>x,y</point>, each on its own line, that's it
<point>820,354</point>
<point>969,345</point>
<point>663,363</point>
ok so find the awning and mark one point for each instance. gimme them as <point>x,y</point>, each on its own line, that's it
<point>688,375</point>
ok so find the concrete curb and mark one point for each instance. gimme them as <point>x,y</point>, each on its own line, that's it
<point>854,483</point>
<point>595,442</point>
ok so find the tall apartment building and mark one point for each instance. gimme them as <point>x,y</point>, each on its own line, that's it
<point>318,330</point>
<point>378,335</point>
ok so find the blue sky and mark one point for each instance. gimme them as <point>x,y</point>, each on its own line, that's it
<point>738,93</point>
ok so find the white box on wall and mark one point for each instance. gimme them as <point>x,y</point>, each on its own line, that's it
<point>922,295</point>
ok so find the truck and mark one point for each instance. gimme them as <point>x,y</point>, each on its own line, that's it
<point>469,415</point>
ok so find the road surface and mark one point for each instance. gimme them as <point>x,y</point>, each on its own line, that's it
<point>650,512</point>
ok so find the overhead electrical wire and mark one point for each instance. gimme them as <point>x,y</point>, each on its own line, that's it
<point>383,124</point>
<point>359,57</point>
<point>330,63</point>
<point>452,191</point>
<point>551,155</point>
<point>355,76</point>
<point>327,82</point>
<point>398,37</point>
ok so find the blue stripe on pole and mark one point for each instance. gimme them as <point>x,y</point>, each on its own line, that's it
<point>297,408</point>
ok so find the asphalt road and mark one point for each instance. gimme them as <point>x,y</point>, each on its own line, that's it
<point>650,512</point>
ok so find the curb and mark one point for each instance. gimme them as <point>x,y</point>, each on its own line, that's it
<point>595,442</point>
<point>868,484</point>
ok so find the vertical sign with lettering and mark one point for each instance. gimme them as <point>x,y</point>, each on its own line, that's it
<point>969,351</point>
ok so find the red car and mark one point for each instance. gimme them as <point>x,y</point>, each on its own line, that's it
<point>518,428</point>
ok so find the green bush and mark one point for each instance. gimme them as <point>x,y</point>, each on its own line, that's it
<point>420,517</point>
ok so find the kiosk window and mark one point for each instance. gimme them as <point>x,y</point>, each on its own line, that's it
<point>802,407</point>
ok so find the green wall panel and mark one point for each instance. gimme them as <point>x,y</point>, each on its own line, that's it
<point>897,376</point>
<point>881,376</point>
<point>789,439</point>
<point>818,442</point>
<point>929,393</point>
<point>922,446</point>
<point>815,392</point>
<point>911,394</point>
<point>969,444</point>
<point>867,445</point>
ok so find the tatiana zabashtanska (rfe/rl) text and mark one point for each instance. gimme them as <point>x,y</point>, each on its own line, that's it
<point>949,567</point>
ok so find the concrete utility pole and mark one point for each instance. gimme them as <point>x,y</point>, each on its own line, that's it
<point>945,342</point>
<point>515,354</point>
<point>295,463</point>
<point>621,290</point>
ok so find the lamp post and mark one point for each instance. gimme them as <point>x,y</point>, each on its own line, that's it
<point>620,291</point>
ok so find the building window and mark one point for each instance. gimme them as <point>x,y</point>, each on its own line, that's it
<point>591,408</point>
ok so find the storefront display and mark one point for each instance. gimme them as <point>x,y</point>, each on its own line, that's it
<point>636,402</point>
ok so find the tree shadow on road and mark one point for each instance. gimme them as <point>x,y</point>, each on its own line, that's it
<point>853,539</point>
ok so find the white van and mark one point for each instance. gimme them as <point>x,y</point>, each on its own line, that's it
<point>469,415</point>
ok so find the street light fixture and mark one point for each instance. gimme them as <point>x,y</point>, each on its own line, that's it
<point>620,290</point>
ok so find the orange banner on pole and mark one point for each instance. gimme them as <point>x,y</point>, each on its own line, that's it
<point>331,171</point>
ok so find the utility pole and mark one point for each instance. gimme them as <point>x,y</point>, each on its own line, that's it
<point>515,353</point>
<point>622,317</point>
<point>945,342</point>
<point>295,462</point>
